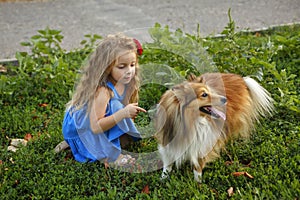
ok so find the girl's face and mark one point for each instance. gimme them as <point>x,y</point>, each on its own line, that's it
<point>124,69</point>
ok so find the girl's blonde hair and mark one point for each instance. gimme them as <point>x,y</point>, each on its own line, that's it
<point>97,71</point>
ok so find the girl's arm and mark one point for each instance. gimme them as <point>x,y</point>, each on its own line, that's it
<point>98,122</point>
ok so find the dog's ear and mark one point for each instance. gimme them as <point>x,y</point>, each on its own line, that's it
<point>177,87</point>
<point>191,77</point>
<point>201,79</point>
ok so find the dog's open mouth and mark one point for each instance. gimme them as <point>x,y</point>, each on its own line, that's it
<point>213,112</point>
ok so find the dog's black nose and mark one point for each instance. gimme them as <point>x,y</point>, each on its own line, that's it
<point>224,100</point>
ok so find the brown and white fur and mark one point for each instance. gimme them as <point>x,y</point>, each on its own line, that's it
<point>196,118</point>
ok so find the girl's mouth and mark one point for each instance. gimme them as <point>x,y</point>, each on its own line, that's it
<point>127,78</point>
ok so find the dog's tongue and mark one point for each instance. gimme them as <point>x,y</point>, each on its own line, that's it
<point>220,113</point>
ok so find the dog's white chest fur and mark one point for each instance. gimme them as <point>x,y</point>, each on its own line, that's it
<point>196,143</point>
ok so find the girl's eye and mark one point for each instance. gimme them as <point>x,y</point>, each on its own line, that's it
<point>121,66</point>
<point>132,65</point>
<point>204,94</point>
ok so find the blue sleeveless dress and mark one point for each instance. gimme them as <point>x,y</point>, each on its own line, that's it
<point>89,147</point>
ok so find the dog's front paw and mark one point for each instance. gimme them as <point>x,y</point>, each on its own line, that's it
<point>197,176</point>
<point>164,175</point>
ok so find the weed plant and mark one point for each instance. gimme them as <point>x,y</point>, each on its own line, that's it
<point>34,94</point>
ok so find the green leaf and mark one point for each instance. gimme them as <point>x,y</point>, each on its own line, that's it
<point>25,43</point>
<point>36,37</point>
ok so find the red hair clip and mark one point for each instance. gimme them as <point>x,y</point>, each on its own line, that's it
<point>139,47</point>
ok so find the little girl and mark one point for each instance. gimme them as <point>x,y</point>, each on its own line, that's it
<point>100,114</point>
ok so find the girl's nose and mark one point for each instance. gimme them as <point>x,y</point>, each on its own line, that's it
<point>129,71</point>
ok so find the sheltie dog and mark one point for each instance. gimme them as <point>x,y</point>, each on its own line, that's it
<point>196,118</point>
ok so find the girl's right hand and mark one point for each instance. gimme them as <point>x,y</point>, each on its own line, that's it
<point>132,110</point>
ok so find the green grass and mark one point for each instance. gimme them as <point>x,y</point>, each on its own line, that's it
<point>46,77</point>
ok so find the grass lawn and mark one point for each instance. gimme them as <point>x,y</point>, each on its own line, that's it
<point>33,95</point>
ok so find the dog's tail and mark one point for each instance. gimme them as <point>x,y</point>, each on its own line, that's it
<point>261,98</point>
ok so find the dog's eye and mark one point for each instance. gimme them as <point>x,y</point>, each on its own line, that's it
<point>204,94</point>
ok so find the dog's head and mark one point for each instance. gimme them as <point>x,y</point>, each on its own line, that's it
<point>197,96</point>
<point>210,103</point>
<point>180,106</point>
